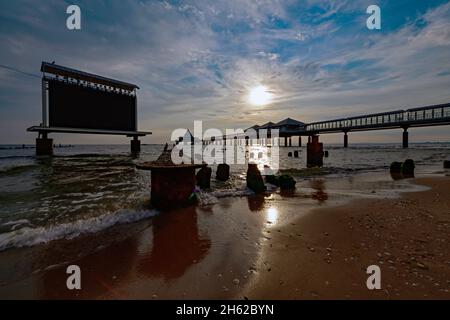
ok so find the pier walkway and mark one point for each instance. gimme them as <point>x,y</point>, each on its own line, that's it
<point>435,115</point>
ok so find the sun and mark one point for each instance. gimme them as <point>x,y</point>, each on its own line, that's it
<point>260,96</point>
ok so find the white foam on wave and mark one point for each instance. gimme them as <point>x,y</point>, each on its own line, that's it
<point>27,237</point>
<point>210,198</point>
<point>207,199</point>
<point>14,224</point>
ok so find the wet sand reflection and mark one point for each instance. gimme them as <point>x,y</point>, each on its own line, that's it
<point>177,245</point>
<point>320,195</point>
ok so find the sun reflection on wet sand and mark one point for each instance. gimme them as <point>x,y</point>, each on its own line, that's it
<point>272,215</point>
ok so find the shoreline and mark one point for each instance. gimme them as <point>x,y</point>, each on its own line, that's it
<point>255,247</point>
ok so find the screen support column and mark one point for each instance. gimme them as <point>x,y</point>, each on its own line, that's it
<point>135,145</point>
<point>44,146</point>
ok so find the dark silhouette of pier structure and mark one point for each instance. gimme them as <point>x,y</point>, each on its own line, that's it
<point>435,115</point>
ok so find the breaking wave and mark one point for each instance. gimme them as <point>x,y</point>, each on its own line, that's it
<point>28,236</point>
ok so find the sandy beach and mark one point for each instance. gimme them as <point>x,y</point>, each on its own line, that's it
<point>325,254</point>
<point>252,248</point>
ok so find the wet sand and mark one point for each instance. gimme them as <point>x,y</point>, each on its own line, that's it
<point>257,247</point>
<point>325,254</point>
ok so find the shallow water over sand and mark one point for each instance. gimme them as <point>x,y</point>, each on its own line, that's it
<point>86,189</point>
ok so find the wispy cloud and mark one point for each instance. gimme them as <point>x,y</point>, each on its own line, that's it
<point>197,60</point>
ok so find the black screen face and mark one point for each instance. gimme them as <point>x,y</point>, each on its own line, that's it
<point>76,106</point>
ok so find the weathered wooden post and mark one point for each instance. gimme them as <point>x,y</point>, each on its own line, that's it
<point>254,179</point>
<point>203,178</point>
<point>223,172</point>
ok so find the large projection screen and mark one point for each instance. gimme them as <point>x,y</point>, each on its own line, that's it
<point>77,106</point>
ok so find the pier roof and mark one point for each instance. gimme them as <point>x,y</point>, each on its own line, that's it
<point>267,125</point>
<point>255,127</point>
<point>289,122</point>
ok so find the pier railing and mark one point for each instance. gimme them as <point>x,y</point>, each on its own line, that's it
<point>417,117</point>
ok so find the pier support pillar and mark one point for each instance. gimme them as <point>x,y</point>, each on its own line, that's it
<point>44,146</point>
<point>405,138</point>
<point>345,139</point>
<point>314,156</point>
<point>135,145</point>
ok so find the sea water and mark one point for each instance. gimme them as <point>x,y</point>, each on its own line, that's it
<point>88,188</point>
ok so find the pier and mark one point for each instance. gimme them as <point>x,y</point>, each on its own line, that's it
<point>434,115</point>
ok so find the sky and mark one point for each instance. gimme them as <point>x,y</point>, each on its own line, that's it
<point>199,60</point>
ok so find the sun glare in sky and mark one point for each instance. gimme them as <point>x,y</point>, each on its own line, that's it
<point>260,96</point>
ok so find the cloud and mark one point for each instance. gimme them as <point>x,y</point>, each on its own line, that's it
<point>197,60</point>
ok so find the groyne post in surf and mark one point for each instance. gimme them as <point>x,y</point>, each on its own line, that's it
<point>203,178</point>
<point>223,172</point>
<point>254,179</point>
<point>314,156</point>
